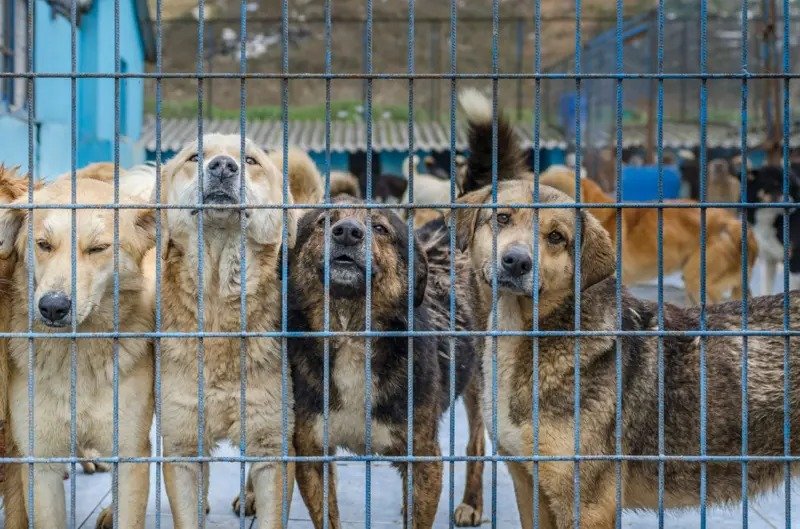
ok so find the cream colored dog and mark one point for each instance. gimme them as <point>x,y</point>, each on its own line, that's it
<point>216,179</point>
<point>92,311</point>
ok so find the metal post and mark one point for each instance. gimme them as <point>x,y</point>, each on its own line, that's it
<point>518,66</point>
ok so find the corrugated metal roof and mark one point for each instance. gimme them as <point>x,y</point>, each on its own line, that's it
<point>351,136</point>
<point>346,136</point>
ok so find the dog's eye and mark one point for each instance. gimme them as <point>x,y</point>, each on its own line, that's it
<point>194,157</point>
<point>380,228</point>
<point>249,160</point>
<point>503,218</point>
<point>555,237</point>
<point>97,248</point>
<point>44,245</point>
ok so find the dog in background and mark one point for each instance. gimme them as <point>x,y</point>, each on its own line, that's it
<point>558,260</point>
<point>681,239</point>
<point>93,312</point>
<point>344,183</point>
<point>722,186</point>
<point>430,295</point>
<point>765,186</point>
<point>223,283</point>
<point>429,189</point>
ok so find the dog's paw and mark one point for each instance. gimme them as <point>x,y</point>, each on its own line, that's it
<point>249,504</point>
<point>467,516</point>
<point>106,519</point>
<point>90,467</point>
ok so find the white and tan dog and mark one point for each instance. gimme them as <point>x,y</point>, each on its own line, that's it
<point>92,311</point>
<point>216,177</point>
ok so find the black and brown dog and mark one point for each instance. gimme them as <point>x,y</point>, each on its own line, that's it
<point>430,355</point>
<point>510,263</point>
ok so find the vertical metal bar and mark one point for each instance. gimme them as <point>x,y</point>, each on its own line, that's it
<point>242,257</point>
<point>787,429</point>
<point>285,263</point>
<point>368,272</point>
<point>159,241</point>
<point>495,228</point>
<point>452,251</point>
<point>115,247</point>
<point>703,168</point>
<point>326,322</point>
<point>201,310</point>
<point>578,234</point>
<point>73,345</point>
<point>410,276</point>
<point>660,236</point>
<point>744,261</point>
<point>31,265</point>
<point>537,161</point>
<point>520,47</point>
<point>618,110</point>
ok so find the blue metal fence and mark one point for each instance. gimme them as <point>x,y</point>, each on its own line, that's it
<point>578,78</point>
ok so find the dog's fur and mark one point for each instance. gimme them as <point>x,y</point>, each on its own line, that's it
<point>222,286</point>
<point>428,189</point>
<point>558,262</point>
<point>12,187</point>
<point>389,311</point>
<point>681,241</point>
<point>94,313</point>
<point>640,378</point>
<point>344,183</point>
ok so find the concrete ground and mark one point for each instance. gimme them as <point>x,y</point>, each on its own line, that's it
<point>94,491</point>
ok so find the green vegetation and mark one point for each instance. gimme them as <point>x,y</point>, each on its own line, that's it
<point>340,111</point>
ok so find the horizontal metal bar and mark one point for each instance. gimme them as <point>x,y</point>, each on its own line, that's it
<point>399,334</point>
<point>391,76</point>
<point>409,459</point>
<point>440,205</point>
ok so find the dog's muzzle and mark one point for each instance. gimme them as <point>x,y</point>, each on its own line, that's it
<point>222,181</point>
<point>347,264</point>
<point>54,309</point>
<point>514,273</point>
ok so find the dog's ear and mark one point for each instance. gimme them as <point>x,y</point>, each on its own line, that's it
<point>467,218</point>
<point>162,184</point>
<point>10,223</point>
<point>597,252</point>
<point>420,274</point>
<point>145,231</point>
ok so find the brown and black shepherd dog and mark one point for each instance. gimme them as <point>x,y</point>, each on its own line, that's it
<point>558,263</point>
<point>431,354</point>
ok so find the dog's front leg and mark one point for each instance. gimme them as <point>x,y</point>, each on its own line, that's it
<point>182,480</point>
<point>427,483</point>
<point>523,491</point>
<point>311,478</point>
<point>49,505</point>
<point>268,486</point>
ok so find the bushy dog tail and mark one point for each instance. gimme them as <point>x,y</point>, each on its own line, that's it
<point>510,156</point>
<point>305,181</point>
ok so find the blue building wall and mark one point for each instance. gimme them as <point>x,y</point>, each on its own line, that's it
<point>95,97</point>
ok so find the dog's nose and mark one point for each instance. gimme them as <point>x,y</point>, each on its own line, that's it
<point>517,261</point>
<point>223,168</point>
<point>348,232</point>
<point>54,306</point>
